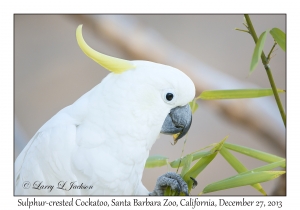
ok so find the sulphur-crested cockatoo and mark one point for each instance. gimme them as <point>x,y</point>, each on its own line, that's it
<point>100,143</point>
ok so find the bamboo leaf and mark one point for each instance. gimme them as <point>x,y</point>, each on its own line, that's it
<point>269,158</point>
<point>281,163</point>
<point>193,105</point>
<point>257,51</point>
<point>265,167</point>
<point>197,169</point>
<point>242,180</point>
<point>168,191</point>
<point>200,154</point>
<point>186,164</point>
<point>279,37</point>
<point>156,161</point>
<point>239,167</point>
<point>196,156</point>
<point>236,94</point>
<point>202,163</point>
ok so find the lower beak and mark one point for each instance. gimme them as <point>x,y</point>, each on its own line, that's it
<point>178,121</point>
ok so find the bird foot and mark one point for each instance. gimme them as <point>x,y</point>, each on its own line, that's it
<point>172,180</point>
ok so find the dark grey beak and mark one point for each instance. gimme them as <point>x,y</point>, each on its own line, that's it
<point>179,120</point>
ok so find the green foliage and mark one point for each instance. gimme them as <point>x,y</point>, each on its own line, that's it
<point>244,177</point>
<point>193,105</point>
<point>196,155</point>
<point>265,60</point>
<point>236,94</point>
<point>202,163</point>
<point>258,50</point>
<point>156,161</point>
<point>279,37</point>
<point>186,164</point>
<point>267,167</point>
<point>203,157</point>
<point>266,157</point>
<point>239,167</point>
<point>242,180</point>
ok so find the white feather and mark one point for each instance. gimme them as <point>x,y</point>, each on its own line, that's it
<point>104,138</point>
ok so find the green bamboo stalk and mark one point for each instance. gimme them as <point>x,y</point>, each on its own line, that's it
<point>271,51</point>
<point>268,70</point>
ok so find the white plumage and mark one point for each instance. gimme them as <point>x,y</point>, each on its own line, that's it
<point>103,139</point>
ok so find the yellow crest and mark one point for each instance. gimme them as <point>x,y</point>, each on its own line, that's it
<point>115,65</point>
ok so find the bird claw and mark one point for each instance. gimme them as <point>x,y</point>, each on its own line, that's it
<point>172,180</point>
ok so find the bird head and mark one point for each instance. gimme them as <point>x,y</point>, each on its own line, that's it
<point>161,91</point>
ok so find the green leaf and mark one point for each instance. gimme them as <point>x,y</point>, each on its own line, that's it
<point>257,51</point>
<point>197,169</point>
<point>186,164</point>
<point>196,156</point>
<point>168,191</point>
<point>239,167</point>
<point>279,37</point>
<point>281,163</point>
<point>233,161</point>
<point>202,163</point>
<point>269,158</point>
<point>236,94</point>
<point>260,169</point>
<point>242,180</point>
<point>156,161</point>
<point>266,167</point>
<point>193,105</point>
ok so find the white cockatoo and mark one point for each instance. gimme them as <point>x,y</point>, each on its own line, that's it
<point>100,143</point>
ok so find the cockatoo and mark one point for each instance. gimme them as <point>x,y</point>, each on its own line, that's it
<point>100,143</point>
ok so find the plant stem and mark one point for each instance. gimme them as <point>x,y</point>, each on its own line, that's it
<point>270,53</point>
<point>182,152</point>
<point>268,70</point>
<point>242,30</point>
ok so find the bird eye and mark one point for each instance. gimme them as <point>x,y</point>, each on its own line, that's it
<point>169,96</point>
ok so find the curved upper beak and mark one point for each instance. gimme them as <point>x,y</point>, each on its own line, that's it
<point>178,121</point>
